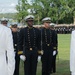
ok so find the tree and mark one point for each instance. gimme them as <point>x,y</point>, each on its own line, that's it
<point>60,11</point>
<point>51,8</point>
<point>22,9</point>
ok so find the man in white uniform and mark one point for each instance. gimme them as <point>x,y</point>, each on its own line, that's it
<point>72,53</point>
<point>6,45</point>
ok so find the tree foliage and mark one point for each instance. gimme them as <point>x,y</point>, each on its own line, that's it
<point>60,11</point>
<point>22,8</point>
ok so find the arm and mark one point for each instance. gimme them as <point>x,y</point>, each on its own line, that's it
<point>10,52</point>
<point>72,52</point>
<point>55,42</point>
<point>20,42</point>
<point>20,45</point>
<point>40,51</point>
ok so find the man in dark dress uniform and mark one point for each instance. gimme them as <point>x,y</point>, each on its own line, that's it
<point>56,46</point>
<point>48,40</point>
<point>29,45</point>
<point>15,32</point>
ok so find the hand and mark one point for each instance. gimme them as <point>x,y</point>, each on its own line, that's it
<point>39,58</point>
<point>54,53</point>
<point>22,57</point>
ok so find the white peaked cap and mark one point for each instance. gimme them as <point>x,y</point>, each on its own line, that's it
<point>52,24</point>
<point>29,17</point>
<point>46,19</point>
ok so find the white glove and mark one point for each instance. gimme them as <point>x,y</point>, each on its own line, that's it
<point>54,53</point>
<point>22,57</point>
<point>39,58</point>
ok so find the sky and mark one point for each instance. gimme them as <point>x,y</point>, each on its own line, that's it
<point>8,6</point>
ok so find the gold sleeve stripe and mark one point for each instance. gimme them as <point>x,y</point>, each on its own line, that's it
<point>20,52</point>
<point>39,51</point>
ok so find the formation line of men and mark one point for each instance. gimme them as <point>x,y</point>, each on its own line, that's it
<point>33,42</point>
<point>27,45</point>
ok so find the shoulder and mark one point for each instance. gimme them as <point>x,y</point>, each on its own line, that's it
<point>42,29</point>
<point>73,32</point>
<point>7,29</point>
<point>54,31</point>
<point>22,30</point>
<point>36,29</point>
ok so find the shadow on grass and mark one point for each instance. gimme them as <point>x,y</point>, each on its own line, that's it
<point>62,68</point>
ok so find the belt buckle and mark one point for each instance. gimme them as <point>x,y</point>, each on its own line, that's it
<point>30,49</point>
<point>48,44</point>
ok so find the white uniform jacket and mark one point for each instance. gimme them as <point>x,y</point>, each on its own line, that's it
<point>6,45</point>
<point>72,52</point>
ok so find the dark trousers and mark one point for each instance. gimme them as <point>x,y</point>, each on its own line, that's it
<point>46,62</point>
<point>30,64</point>
<point>17,63</point>
<point>54,64</point>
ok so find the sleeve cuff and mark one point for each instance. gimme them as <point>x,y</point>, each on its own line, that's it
<point>20,52</point>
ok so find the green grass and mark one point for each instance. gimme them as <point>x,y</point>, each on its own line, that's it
<point>62,63</point>
<point>63,55</point>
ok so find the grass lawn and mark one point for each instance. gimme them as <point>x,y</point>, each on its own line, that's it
<point>62,62</point>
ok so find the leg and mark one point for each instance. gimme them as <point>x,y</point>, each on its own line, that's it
<point>17,63</point>
<point>54,64</point>
<point>50,59</point>
<point>44,65</point>
<point>34,63</point>
<point>27,66</point>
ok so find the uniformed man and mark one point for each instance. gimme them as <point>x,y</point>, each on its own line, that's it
<point>15,33</point>
<point>4,21</point>
<point>56,44</point>
<point>6,45</point>
<point>48,40</point>
<point>72,53</point>
<point>29,45</point>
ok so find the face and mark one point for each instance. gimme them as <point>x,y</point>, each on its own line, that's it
<point>30,23</point>
<point>47,24</point>
<point>14,29</point>
<point>4,23</point>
